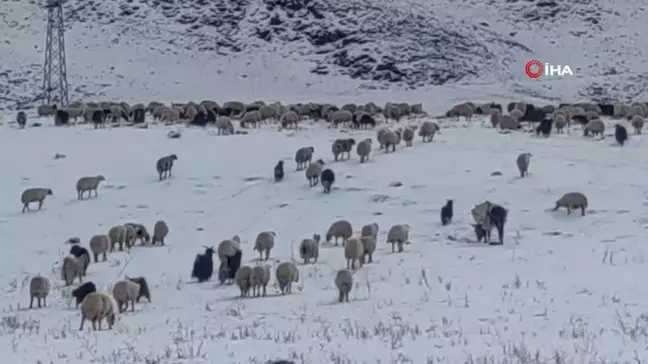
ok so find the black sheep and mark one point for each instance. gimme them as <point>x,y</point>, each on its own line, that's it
<point>21,119</point>
<point>497,215</point>
<point>229,267</point>
<point>203,266</point>
<point>144,288</point>
<point>620,134</point>
<point>79,251</point>
<point>138,116</point>
<point>581,119</point>
<point>279,171</point>
<point>511,106</point>
<point>327,179</point>
<point>606,109</point>
<point>61,117</point>
<point>199,120</point>
<point>82,291</point>
<point>98,118</point>
<point>545,127</point>
<point>446,213</point>
<point>365,120</point>
<point>211,117</point>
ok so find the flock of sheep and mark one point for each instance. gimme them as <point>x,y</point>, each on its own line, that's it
<point>358,248</point>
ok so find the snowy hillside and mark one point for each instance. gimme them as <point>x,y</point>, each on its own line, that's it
<point>565,287</point>
<point>190,49</point>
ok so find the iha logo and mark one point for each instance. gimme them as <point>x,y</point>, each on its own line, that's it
<point>534,69</point>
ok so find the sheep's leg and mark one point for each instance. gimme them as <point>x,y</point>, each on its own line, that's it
<point>160,173</point>
<point>161,241</point>
<point>94,324</point>
<point>582,210</point>
<point>267,254</point>
<point>25,207</point>
<point>264,290</point>
<point>44,301</point>
<point>260,254</point>
<point>393,247</point>
<point>568,210</point>
<point>31,302</point>
<point>40,204</point>
<point>400,247</point>
<point>96,257</point>
<point>78,195</point>
<point>99,320</point>
<point>39,302</point>
<point>132,305</point>
<point>341,297</point>
<point>289,288</point>
<point>82,321</point>
<point>105,257</point>
<point>370,257</point>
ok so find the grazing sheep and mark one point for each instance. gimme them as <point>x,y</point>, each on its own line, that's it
<point>39,288</point>
<point>160,231</point>
<point>265,241</point>
<point>82,291</point>
<point>144,290</point>
<point>203,266</point>
<point>313,172</point>
<point>353,251</point>
<point>370,230</point>
<point>21,119</point>
<point>45,110</point>
<point>391,138</point>
<point>464,110</point>
<point>88,184</point>
<point>398,234</point>
<point>637,123</point>
<point>327,178</point>
<point>342,146</point>
<point>339,229</point>
<point>302,156</point>
<point>369,244</point>
<point>139,231</point>
<point>289,118</point>
<point>268,112</point>
<point>594,127</point>
<point>229,266</point>
<point>364,149</point>
<point>620,134</point>
<point>279,171</point>
<point>100,244</point>
<point>495,117</point>
<point>98,118</point>
<point>286,274</point>
<point>488,215</point>
<point>259,278</point>
<point>81,254</point>
<point>61,117</point>
<point>71,268</point>
<point>447,212</point>
<point>126,291</point>
<point>34,195</point>
<point>251,117</point>
<point>380,136</point>
<point>242,279</point>
<point>523,160</point>
<point>391,111</point>
<point>507,122</point>
<point>131,236</point>
<point>344,284</point>
<point>309,249</point>
<point>572,201</point>
<point>341,117</point>
<point>117,235</point>
<point>560,120</point>
<point>95,307</point>
<point>224,126</point>
<point>363,119</point>
<point>408,134</point>
<point>428,130</point>
<point>164,166</point>
<point>516,114</point>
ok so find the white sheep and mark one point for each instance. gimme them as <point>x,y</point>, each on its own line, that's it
<point>594,127</point>
<point>391,138</point>
<point>353,251</point>
<point>572,200</point>
<point>126,291</point>
<point>408,134</point>
<point>131,236</point>
<point>39,288</point>
<point>264,242</point>
<point>380,136</point>
<point>224,126</point>
<point>339,229</point>
<point>398,234</point>
<point>288,118</point>
<point>341,116</point>
<point>516,114</point>
<point>117,235</point>
<point>344,284</point>
<point>369,244</point>
<point>560,121</point>
<point>251,117</point>
<point>464,110</point>
<point>621,110</point>
<point>242,279</point>
<point>428,130</point>
<point>364,149</point>
<point>286,274</point>
<point>228,248</point>
<point>71,268</point>
<point>309,249</point>
<point>268,112</point>
<point>370,230</point>
<point>34,195</point>
<point>507,122</point>
<point>523,160</point>
<point>95,307</point>
<point>100,244</point>
<point>302,156</point>
<point>637,123</point>
<point>259,278</point>
<point>160,231</point>
<point>314,171</point>
<point>45,110</point>
<point>88,184</point>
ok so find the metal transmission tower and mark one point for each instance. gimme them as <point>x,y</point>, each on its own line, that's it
<point>55,82</point>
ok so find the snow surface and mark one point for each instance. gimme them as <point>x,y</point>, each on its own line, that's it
<point>566,287</point>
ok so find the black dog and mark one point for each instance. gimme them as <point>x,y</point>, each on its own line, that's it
<point>279,171</point>
<point>620,134</point>
<point>446,213</point>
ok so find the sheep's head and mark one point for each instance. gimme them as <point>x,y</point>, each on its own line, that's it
<point>49,192</point>
<point>101,178</point>
<point>173,157</point>
<point>317,238</point>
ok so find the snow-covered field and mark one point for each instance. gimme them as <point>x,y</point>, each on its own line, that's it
<point>566,287</point>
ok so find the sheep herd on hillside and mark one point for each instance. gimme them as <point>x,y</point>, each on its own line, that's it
<point>358,247</point>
